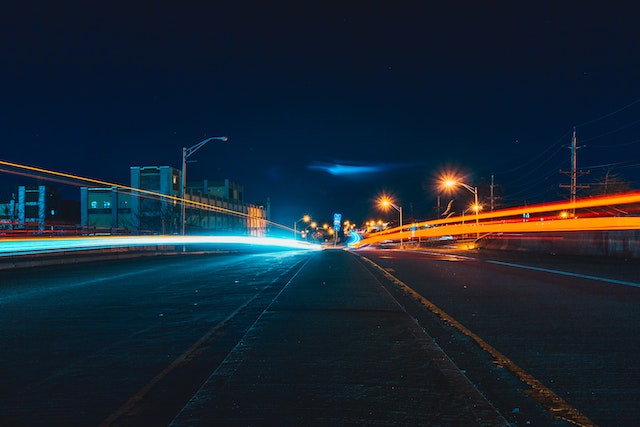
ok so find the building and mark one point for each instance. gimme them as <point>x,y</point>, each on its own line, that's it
<point>34,208</point>
<point>152,205</point>
<point>106,210</point>
<point>38,208</point>
<point>8,214</point>
<point>150,212</point>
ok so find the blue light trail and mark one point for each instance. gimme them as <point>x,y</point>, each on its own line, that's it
<point>10,247</point>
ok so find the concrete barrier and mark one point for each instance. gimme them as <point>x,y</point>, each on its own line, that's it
<point>76,257</point>
<point>616,244</point>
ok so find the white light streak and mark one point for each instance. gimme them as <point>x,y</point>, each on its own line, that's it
<point>9,247</point>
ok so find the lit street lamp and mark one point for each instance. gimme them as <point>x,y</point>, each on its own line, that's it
<point>305,218</point>
<point>449,183</point>
<point>186,152</point>
<point>385,203</point>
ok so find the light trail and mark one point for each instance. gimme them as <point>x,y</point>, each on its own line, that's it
<point>511,221</point>
<point>11,247</point>
<point>354,238</point>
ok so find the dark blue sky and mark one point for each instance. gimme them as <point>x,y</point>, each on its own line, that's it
<point>403,89</point>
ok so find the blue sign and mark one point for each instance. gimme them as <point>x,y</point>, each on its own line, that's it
<point>337,218</point>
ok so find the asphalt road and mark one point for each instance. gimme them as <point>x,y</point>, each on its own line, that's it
<point>82,344</point>
<point>131,342</point>
<point>571,323</point>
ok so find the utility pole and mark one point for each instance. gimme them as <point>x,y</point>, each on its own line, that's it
<point>492,185</point>
<point>186,152</point>
<point>574,173</point>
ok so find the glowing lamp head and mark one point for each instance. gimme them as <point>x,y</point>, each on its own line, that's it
<point>385,202</point>
<point>306,218</point>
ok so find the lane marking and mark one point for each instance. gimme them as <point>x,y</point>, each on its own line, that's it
<point>444,362</point>
<point>448,257</point>
<point>557,406</point>
<point>19,293</point>
<point>234,357</point>
<point>566,273</point>
<point>129,408</point>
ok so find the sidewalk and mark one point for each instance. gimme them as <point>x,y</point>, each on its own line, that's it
<point>335,349</point>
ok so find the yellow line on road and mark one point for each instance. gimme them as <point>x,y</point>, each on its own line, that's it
<point>541,393</point>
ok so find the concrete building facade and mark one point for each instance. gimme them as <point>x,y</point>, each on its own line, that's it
<point>152,205</point>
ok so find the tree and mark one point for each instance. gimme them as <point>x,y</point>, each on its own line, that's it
<point>608,183</point>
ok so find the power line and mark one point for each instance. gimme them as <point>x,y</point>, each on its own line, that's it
<point>549,158</point>
<point>523,165</point>
<point>540,165</point>
<point>606,165</point>
<point>624,144</point>
<point>612,131</point>
<point>609,114</point>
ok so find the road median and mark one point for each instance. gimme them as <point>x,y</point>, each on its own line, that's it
<point>335,348</point>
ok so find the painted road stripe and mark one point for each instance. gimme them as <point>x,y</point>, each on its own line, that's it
<point>132,406</point>
<point>567,273</point>
<point>557,406</point>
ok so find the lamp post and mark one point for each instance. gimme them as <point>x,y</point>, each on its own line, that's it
<point>386,203</point>
<point>305,218</point>
<point>476,207</point>
<point>186,152</point>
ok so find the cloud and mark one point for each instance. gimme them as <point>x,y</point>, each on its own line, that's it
<point>355,170</point>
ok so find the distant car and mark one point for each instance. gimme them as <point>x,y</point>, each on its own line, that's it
<point>388,244</point>
<point>441,238</point>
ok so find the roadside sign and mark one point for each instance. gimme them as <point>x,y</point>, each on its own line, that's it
<point>337,219</point>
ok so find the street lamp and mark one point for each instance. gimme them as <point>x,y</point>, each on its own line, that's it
<point>385,203</point>
<point>449,183</point>
<point>186,152</point>
<point>305,218</point>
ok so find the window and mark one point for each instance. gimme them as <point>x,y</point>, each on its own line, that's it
<point>150,181</point>
<point>31,211</point>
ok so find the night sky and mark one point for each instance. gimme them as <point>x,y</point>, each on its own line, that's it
<point>392,92</point>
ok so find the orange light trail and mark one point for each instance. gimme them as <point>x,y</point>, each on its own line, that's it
<point>496,222</point>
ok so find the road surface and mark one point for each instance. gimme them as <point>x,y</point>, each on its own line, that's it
<point>571,323</point>
<point>141,341</point>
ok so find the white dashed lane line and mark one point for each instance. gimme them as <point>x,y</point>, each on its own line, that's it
<point>567,273</point>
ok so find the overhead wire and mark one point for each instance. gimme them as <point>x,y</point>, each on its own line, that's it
<point>522,189</point>
<point>610,132</point>
<point>624,144</point>
<point>540,165</point>
<point>523,165</point>
<point>608,114</point>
